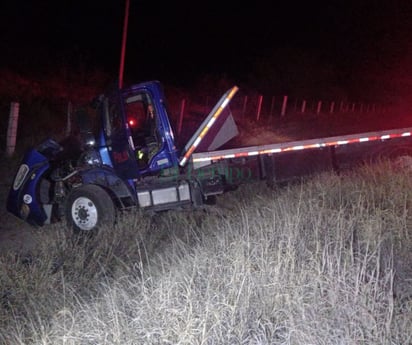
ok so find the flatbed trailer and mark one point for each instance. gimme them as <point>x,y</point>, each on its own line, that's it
<point>289,160</point>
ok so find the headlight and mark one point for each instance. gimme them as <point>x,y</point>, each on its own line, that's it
<point>20,176</point>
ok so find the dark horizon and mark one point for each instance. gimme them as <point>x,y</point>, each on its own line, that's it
<point>343,44</point>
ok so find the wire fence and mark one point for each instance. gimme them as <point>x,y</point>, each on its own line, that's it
<point>261,108</point>
<point>52,119</point>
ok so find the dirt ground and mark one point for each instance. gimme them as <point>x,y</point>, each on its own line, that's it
<point>15,235</point>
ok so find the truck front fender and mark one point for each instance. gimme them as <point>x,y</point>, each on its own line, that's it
<point>23,199</point>
<point>121,191</point>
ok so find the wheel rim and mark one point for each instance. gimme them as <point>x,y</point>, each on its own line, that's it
<point>84,213</point>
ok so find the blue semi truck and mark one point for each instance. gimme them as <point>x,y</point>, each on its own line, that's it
<point>124,155</point>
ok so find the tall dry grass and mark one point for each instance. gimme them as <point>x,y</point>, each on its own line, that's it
<point>324,261</point>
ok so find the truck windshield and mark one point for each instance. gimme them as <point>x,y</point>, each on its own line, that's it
<point>84,125</point>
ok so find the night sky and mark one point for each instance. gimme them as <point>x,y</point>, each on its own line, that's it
<point>180,42</point>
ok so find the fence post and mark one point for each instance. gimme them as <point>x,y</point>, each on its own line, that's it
<point>69,118</point>
<point>182,111</point>
<point>284,105</point>
<point>319,107</point>
<point>332,107</point>
<point>244,106</point>
<point>303,108</point>
<point>12,128</point>
<point>259,107</point>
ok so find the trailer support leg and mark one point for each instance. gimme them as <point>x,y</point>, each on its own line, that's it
<point>334,161</point>
<point>267,169</point>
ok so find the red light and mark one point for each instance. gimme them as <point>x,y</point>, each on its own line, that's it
<point>132,122</point>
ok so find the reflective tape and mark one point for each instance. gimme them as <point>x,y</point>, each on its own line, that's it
<point>283,147</point>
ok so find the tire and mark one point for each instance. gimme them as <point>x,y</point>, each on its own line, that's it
<point>88,208</point>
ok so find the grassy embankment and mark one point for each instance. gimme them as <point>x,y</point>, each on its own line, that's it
<point>325,261</point>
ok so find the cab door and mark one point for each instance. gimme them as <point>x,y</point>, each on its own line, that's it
<point>145,131</point>
<point>119,142</point>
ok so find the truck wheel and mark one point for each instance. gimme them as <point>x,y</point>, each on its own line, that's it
<point>88,208</point>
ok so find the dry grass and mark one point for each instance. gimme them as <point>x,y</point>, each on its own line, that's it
<point>325,261</point>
